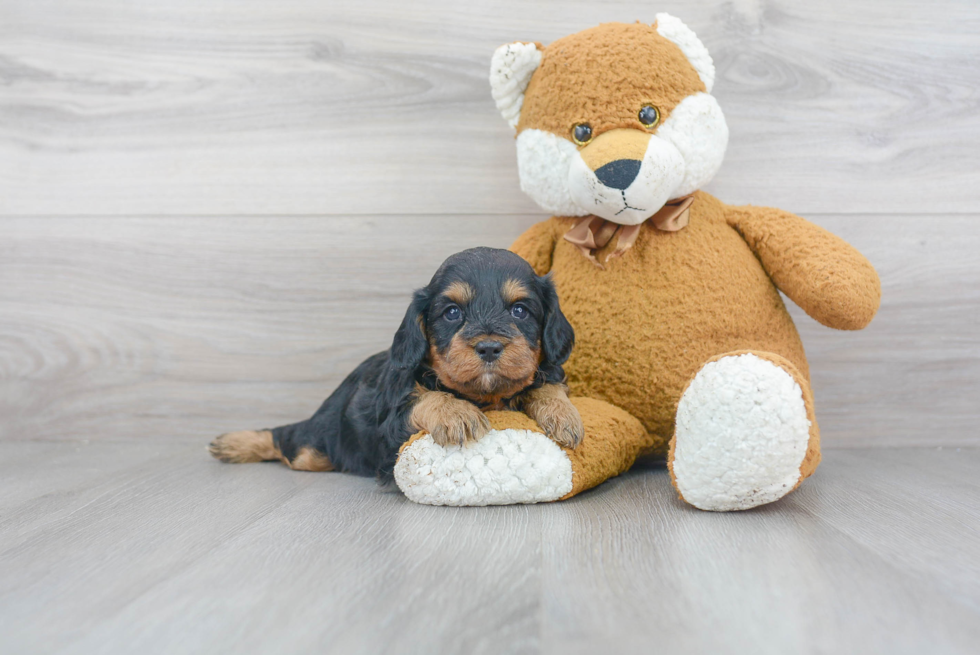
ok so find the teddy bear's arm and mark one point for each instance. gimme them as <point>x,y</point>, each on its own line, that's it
<point>823,274</point>
<point>537,246</point>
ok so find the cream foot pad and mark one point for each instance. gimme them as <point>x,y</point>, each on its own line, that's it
<point>741,436</point>
<point>505,467</point>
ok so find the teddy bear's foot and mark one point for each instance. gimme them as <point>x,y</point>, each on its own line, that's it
<point>742,433</point>
<point>503,467</point>
<point>515,462</point>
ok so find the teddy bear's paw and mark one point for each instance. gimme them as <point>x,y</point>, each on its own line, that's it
<point>504,467</point>
<point>742,433</point>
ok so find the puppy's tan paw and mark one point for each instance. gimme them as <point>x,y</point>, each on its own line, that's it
<point>460,422</point>
<point>562,422</point>
<point>244,446</point>
<point>550,407</point>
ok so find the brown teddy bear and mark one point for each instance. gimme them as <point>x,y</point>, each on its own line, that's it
<point>683,345</point>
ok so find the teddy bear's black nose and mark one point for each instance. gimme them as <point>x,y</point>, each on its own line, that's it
<point>619,174</point>
<point>489,350</point>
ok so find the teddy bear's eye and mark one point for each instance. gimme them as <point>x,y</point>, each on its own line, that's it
<point>649,116</point>
<point>582,134</point>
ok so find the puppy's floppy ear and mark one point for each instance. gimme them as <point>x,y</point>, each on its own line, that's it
<point>409,346</point>
<point>557,335</point>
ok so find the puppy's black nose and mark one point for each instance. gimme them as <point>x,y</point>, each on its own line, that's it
<point>489,351</point>
<point>619,174</point>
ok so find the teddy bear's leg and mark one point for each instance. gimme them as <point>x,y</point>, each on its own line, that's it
<point>515,462</point>
<point>745,433</point>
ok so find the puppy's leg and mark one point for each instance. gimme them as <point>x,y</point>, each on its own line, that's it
<point>301,445</point>
<point>448,419</point>
<point>262,446</point>
<point>550,407</point>
<point>244,446</point>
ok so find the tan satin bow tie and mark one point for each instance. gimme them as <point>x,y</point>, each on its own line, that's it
<point>592,233</point>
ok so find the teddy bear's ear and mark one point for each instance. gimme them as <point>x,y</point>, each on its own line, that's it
<point>683,37</point>
<point>510,72</point>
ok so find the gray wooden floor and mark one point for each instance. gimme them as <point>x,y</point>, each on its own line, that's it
<point>155,548</point>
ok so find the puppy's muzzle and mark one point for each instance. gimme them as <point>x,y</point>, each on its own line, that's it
<point>489,350</point>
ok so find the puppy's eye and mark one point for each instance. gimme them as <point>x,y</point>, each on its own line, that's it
<point>452,313</point>
<point>519,311</point>
<point>582,134</point>
<point>649,116</point>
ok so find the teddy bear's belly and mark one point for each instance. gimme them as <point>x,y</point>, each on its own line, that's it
<point>647,323</point>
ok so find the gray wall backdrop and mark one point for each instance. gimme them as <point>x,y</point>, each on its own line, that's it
<point>211,210</point>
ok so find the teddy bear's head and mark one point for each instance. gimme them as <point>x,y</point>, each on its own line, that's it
<point>614,121</point>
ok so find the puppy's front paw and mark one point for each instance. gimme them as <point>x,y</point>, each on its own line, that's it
<point>459,422</point>
<point>554,412</point>
<point>562,422</point>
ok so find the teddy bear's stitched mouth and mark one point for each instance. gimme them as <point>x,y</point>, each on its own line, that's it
<point>626,204</point>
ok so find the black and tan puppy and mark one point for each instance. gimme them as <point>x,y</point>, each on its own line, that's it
<point>486,333</point>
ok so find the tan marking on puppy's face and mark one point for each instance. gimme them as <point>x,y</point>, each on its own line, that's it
<point>459,292</point>
<point>513,291</point>
<point>244,446</point>
<point>603,76</point>
<point>518,363</point>
<point>461,369</point>
<point>310,459</point>
<point>456,366</point>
